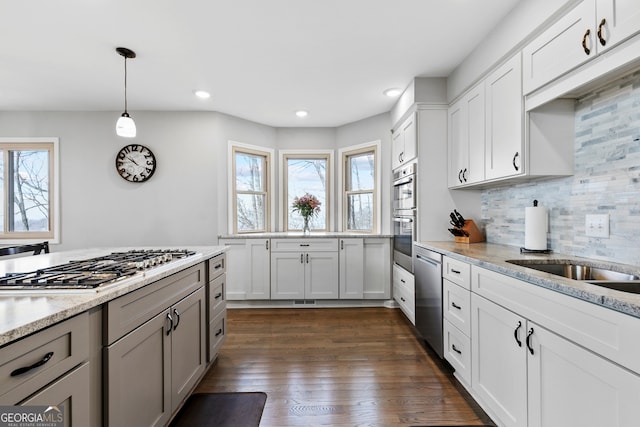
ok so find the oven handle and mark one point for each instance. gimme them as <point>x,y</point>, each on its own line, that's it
<point>403,181</point>
<point>402,220</point>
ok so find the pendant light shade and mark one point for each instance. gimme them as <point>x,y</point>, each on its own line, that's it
<point>125,126</point>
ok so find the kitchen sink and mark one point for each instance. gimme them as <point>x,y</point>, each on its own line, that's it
<point>598,276</point>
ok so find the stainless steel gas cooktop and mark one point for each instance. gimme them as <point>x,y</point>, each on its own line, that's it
<point>94,272</point>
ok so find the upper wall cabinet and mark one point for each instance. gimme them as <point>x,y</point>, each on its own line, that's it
<point>589,29</point>
<point>404,142</point>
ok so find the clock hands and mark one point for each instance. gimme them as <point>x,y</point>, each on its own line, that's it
<point>131,158</point>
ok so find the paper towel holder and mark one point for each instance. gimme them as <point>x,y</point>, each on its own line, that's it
<point>535,251</point>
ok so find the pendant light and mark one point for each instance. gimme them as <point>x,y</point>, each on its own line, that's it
<point>125,126</point>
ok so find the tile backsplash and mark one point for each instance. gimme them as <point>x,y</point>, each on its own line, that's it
<point>606,180</point>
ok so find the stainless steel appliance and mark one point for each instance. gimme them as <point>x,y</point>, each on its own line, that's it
<point>404,216</point>
<point>404,188</point>
<point>428,279</point>
<point>92,273</point>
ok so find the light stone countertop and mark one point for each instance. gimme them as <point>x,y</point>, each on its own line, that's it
<point>300,235</point>
<point>493,257</point>
<point>23,312</point>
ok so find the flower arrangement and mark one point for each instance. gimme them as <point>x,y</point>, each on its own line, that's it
<point>308,206</point>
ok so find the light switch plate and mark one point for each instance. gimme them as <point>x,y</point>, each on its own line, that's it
<point>597,225</point>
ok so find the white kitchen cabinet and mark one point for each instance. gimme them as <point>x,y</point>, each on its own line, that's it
<point>578,37</point>
<point>351,268</point>
<point>504,139</point>
<point>404,142</point>
<point>377,268</point>
<point>304,269</point>
<point>404,292</point>
<point>248,269</point>
<point>467,138</point>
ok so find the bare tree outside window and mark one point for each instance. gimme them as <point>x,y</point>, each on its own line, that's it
<point>26,181</point>
<point>307,175</point>
<point>360,190</point>
<point>251,191</point>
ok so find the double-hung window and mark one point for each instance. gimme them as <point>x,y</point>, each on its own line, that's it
<point>29,189</point>
<point>306,173</point>
<point>250,189</point>
<point>360,204</point>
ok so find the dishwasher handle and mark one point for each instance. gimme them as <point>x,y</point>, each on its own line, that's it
<point>428,260</point>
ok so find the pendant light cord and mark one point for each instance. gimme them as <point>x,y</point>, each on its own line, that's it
<point>125,84</point>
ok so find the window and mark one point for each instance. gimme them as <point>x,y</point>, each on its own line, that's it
<point>360,189</point>
<point>29,189</point>
<point>306,173</point>
<point>250,192</point>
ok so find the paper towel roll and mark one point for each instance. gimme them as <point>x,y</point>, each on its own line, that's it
<point>535,228</point>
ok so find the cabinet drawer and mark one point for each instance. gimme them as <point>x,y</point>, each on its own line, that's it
<point>457,306</point>
<point>217,301</point>
<point>457,351</point>
<point>459,272</point>
<point>217,334</point>
<point>51,352</point>
<point>124,314</point>
<point>304,245</point>
<point>404,292</point>
<point>217,266</point>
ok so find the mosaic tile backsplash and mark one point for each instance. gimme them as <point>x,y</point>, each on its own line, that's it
<point>606,180</point>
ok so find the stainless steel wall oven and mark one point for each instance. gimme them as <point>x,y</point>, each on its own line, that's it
<point>404,216</point>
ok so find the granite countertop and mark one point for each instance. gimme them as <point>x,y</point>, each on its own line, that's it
<point>494,256</point>
<point>23,312</point>
<point>299,235</point>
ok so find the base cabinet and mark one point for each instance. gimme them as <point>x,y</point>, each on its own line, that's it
<point>304,275</point>
<point>351,268</point>
<point>248,269</point>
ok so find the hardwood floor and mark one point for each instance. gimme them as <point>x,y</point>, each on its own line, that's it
<point>338,367</point>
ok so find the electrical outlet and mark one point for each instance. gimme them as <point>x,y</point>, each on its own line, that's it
<point>597,225</point>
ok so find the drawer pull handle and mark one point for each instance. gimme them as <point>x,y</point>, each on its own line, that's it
<point>529,341</point>
<point>584,42</point>
<point>175,311</point>
<point>218,295</point>
<point>456,271</point>
<point>170,319</point>
<point>402,299</point>
<point>39,363</point>
<point>218,266</point>
<point>304,245</point>
<point>602,24</point>
<point>453,347</point>
<point>219,332</point>
<point>454,305</point>
<point>402,280</point>
<point>515,334</point>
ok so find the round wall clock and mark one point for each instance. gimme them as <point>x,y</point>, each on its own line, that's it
<point>135,163</point>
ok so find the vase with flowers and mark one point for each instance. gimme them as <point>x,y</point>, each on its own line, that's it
<point>308,206</point>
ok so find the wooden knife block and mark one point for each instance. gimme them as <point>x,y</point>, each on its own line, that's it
<point>475,236</point>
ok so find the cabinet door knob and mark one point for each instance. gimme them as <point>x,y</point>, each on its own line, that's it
<point>39,363</point>
<point>515,334</point>
<point>515,157</point>
<point>529,341</point>
<point>600,27</point>
<point>584,42</point>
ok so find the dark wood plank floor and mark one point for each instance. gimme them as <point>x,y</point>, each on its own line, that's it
<point>338,367</point>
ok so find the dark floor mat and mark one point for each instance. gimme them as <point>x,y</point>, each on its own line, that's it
<point>221,410</point>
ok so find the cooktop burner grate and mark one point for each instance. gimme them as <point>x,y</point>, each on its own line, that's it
<point>91,273</point>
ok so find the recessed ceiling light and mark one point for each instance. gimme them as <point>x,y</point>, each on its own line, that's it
<point>202,94</point>
<point>392,92</point>
<point>302,113</point>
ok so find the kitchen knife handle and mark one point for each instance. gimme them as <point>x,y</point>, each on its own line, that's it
<point>584,42</point>
<point>515,156</point>
<point>529,341</point>
<point>515,334</point>
<point>39,363</point>
<point>602,24</point>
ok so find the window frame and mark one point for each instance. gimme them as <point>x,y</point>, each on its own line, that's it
<point>51,144</point>
<point>233,148</point>
<point>328,155</point>
<point>344,154</point>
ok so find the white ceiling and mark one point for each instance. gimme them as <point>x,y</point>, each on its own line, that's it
<point>260,59</point>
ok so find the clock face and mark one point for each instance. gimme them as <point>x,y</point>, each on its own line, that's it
<point>135,163</point>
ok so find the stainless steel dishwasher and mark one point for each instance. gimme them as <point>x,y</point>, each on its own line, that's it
<point>427,267</point>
